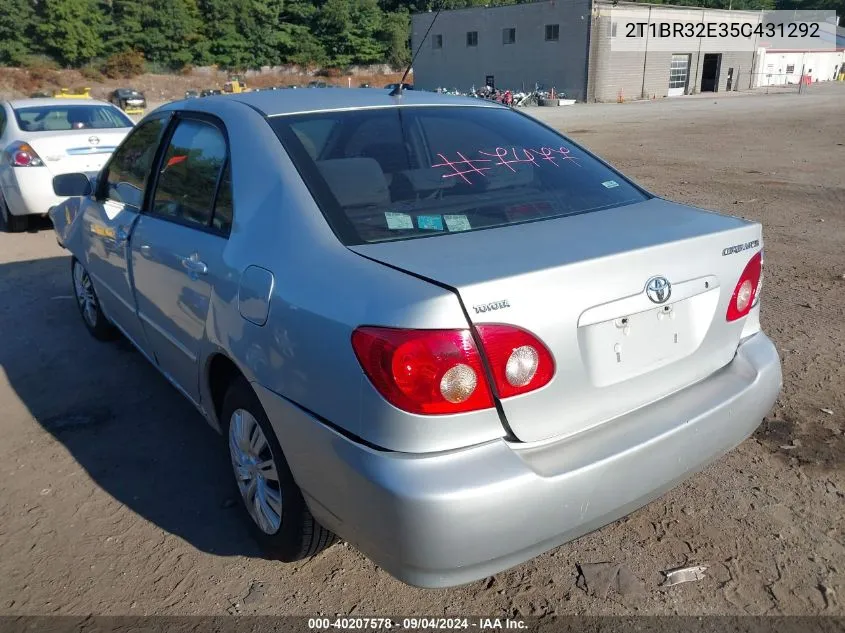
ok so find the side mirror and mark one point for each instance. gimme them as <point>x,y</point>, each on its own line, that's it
<point>69,185</point>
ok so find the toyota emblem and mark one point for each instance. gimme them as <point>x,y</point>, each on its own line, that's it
<point>658,289</point>
<point>93,140</point>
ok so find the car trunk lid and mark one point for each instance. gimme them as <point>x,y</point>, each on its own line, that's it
<point>579,284</point>
<point>76,150</point>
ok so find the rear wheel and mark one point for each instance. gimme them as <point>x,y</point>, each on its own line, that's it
<point>89,305</point>
<point>12,223</point>
<point>279,518</point>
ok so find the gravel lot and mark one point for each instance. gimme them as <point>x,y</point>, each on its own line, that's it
<point>114,494</point>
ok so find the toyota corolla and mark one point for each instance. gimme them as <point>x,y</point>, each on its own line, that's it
<point>429,325</point>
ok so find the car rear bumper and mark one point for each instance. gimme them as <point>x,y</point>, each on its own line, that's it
<point>443,519</point>
<point>31,192</point>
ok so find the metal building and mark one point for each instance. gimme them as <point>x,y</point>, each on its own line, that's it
<point>518,45</point>
<point>584,48</point>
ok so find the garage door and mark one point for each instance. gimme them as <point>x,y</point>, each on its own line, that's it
<point>678,74</point>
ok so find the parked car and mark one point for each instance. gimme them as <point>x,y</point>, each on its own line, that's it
<point>405,86</point>
<point>129,100</point>
<point>40,138</point>
<point>191,94</point>
<point>436,328</point>
<point>210,91</point>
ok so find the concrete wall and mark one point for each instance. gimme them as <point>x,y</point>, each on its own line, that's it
<point>531,59</point>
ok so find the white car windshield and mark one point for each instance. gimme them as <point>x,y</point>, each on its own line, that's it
<point>386,174</point>
<point>54,118</point>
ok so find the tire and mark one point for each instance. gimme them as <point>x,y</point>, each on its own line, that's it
<point>89,305</point>
<point>291,533</point>
<point>12,223</point>
<point>549,102</point>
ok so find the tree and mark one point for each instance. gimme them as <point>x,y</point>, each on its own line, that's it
<point>227,46</point>
<point>71,30</point>
<point>171,33</point>
<point>297,42</point>
<point>127,18</point>
<point>395,30</point>
<point>17,27</point>
<point>347,29</point>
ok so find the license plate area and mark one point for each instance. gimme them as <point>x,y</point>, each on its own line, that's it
<point>633,344</point>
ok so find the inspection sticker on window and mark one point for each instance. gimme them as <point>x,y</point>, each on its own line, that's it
<point>457,222</point>
<point>430,222</point>
<point>398,220</point>
<point>610,184</point>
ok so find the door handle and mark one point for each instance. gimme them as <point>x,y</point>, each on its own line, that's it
<point>194,266</point>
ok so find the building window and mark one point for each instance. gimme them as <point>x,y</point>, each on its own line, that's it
<point>552,32</point>
<point>613,29</point>
<point>472,38</point>
<point>437,41</point>
<point>678,72</point>
<point>508,36</point>
<point>790,68</point>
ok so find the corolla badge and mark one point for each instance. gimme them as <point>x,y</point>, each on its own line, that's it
<point>658,289</point>
<point>93,140</point>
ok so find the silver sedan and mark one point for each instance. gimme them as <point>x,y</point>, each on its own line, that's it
<point>429,325</point>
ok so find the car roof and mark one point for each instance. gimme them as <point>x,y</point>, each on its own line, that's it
<point>281,102</point>
<point>45,101</point>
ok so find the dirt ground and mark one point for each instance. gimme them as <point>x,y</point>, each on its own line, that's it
<point>114,494</point>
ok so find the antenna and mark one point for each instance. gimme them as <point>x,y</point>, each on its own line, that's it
<point>397,91</point>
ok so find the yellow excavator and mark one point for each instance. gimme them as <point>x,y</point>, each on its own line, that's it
<point>235,85</point>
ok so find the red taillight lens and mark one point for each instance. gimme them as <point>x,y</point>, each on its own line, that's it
<point>424,371</point>
<point>519,361</point>
<point>745,293</point>
<point>24,156</point>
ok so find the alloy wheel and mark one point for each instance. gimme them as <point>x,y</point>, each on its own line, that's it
<point>255,471</point>
<point>85,294</point>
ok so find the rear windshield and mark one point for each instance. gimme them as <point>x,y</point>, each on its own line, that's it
<point>397,173</point>
<point>50,118</point>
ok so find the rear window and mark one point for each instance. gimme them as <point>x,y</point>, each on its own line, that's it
<point>398,173</point>
<point>49,118</point>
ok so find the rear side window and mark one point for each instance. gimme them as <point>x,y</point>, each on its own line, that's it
<point>131,164</point>
<point>398,173</point>
<point>190,170</point>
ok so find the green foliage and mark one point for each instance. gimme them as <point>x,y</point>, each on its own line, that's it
<point>241,34</point>
<point>71,31</point>
<point>17,26</point>
<point>395,29</point>
<point>126,64</point>
<point>172,32</point>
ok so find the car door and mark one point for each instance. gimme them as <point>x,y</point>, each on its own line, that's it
<point>109,220</point>
<point>177,245</point>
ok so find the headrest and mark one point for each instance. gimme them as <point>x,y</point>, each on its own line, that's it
<point>355,182</point>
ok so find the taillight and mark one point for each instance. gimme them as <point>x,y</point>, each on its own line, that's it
<point>760,283</point>
<point>424,371</point>
<point>745,293</point>
<point>24,156</point>
<point>518,360</point>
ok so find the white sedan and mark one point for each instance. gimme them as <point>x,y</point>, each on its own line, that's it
<point>41,138</point>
